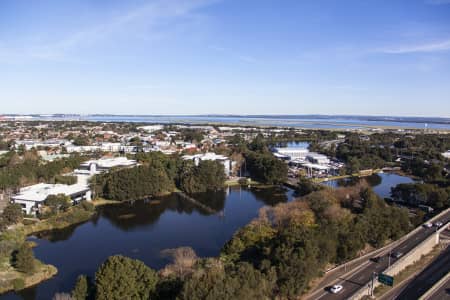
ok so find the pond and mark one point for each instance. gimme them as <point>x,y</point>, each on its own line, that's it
<point>143,229</point>
<point>381,183</point>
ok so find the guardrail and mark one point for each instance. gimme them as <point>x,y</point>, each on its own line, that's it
<point>392,244</point>
<point>412,256</point>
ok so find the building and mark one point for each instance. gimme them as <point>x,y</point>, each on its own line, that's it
<point>317,158</point>
<point>446,154</point>
<point>105,164</point>
<point>292,153</point>
<point>32,197</point>
<point>227,163</point>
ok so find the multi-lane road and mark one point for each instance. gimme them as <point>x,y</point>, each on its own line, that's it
<point>362,275</point>
<point>426,279</point>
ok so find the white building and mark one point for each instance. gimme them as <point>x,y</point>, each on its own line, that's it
<point>196,158</point>
<point>105,164</point>
<point>32,197</point>
<point>292,153</point>
<point>446,154</point>
<point>317,158</point>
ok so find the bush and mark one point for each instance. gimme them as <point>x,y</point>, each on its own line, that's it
<point>18,284</point>
<point>24,259</point>
<point>12,214</point>
<point>121,277</point>
<point>87,206</point>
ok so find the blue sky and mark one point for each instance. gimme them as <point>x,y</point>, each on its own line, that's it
<point>376,57</point>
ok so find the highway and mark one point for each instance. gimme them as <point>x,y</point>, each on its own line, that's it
<point>443,293</point>
<point>362,275</point>
<point>427,278</point>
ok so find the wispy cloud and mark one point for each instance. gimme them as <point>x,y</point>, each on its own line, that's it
<point>245,58</point>
<point>148,16</point>
<point>443,45</point>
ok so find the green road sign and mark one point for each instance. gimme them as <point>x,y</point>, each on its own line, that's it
<point>386,279</point>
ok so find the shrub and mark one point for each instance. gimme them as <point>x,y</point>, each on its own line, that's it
<point>18,284</point>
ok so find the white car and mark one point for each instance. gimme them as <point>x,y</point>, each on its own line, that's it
<point>336,288</point>
<point>438,224</point>
<point>428,225</point>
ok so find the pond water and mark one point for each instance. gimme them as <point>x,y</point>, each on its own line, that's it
<point>381,183</point>
<point>142,229</point>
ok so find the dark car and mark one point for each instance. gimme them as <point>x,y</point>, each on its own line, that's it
<point>396,254</point>
<point>377,259</point>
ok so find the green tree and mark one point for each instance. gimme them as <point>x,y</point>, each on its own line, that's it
<point>12,214</point>
<point>81,289</point>
<point>59,202</point>
<point>24,259</point>
<point>120,278</point>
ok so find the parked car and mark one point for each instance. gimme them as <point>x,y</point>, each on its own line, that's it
<point>438,224</point>
<point>336,288</point>
<point>427,225</point>
<point>396,254</point>
<point>377,259</point>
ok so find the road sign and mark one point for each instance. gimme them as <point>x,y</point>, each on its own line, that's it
<point>386,279</point>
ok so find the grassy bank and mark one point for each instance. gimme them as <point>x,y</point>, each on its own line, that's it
<point>10,279</point>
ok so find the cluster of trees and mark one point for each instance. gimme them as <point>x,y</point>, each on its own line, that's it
<point>381,149</point>
<point>17,171</point>
<point>263,166</point>
<point>159,174</point>
<point>291,244</point>
<point>422,194</point>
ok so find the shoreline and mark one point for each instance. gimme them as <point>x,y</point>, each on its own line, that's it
<point>16,280</point>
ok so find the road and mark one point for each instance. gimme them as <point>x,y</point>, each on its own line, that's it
<point>443,293</point>
<point>362,275</point>
<point>427,278</point>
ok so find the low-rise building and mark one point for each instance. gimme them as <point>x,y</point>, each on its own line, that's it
<point>197,158</point>
<point>292,153</point>
<point>105,164</point>
<point>31,198</point>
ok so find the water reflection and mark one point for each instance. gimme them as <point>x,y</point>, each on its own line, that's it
<point>143,229</point>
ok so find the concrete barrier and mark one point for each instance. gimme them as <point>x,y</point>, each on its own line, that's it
<point>390,245</point>
<point>425,247</point>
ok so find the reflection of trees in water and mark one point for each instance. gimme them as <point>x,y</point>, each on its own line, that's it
<point>214,200</point>
<point>372,180</point>
<point>129,215</point>
<point>63,234</point>
<point>270,196</point>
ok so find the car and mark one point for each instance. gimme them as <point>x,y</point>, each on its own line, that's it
<point>438,224</point>
<point>336,288</point>
<point>427,225</point>
<point>377,259</point>
<point>396,254</point>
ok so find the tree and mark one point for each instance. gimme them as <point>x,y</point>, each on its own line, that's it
<point>120,278</point>
<point>81,289</point>
<point>58,202</point>
<point>12,214</point>
<point>24,259</point>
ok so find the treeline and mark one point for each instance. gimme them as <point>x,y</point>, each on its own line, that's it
<point>259,160</point>
<point>20,170</point>
<point>422,194</point>
<point>159,174</point>
<point>382,149</point>
<point>275,256</point>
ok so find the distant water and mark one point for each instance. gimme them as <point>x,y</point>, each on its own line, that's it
<point>319,122</point>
